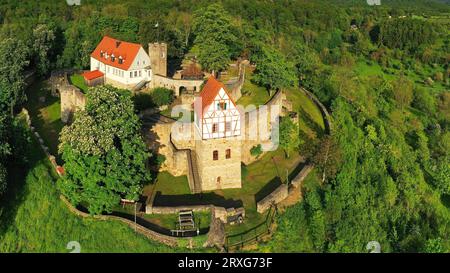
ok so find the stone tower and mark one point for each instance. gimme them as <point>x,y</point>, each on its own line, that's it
<point>217,123</point>
<point>158,58</point>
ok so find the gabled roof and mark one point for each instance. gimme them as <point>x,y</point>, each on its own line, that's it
<point>90,75</point>
<point>109,46</point>
<point>208,94</point>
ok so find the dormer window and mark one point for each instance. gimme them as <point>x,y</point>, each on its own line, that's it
<point>113,58</point>
<point>222,105</point>
<point>120,60</point>
<point>102,54</point>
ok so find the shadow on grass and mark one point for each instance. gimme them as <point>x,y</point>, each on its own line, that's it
<point>445,199</point>
<point>48,127</point>
<point>268,188</point>
<point>310,123</point>
<point>17,191</point>
<point>209,198</point>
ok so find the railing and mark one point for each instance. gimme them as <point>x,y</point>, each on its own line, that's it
<point>240,240</point>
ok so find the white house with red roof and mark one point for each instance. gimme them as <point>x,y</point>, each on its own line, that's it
<point>121,63</point>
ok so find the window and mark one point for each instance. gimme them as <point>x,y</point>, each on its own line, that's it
<point>228,153</point>
<point>214,127</point>
<point>222,105</point>
<point>215,155</point>
<point>120,60</point>
<point>135,73</point>
<point>131,74</point>
<point>139,73</point>
<point>227,126</point>
<point>113,58</point>
<point>102,54</point>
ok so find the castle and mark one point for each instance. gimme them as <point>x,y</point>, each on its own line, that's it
<point>219,137</point>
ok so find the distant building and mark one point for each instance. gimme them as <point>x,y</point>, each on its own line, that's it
<point>217,123</point>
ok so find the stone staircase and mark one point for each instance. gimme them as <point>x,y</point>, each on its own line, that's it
<point>193,175</point>
<point>140,85</point>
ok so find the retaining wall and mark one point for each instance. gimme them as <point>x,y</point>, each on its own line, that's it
<point>275,197</point>
<point>171,241</point>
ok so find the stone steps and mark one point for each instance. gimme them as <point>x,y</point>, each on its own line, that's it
<point>193,172</point>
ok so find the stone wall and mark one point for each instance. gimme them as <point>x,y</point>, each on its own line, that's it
<point>235,90</point>
<point>171,241</point>
<point>159,140</point>
<point>150,209</point>
<point>297,181</point>
<point>72,99</point>
<point>283,191</point>
<point>252,126</point>
<point>174,84</point>
<point>275,197</point>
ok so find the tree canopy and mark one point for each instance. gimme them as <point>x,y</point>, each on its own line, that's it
<point>104,153</point>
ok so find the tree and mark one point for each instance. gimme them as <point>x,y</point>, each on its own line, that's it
<point>213,56</point>
<point>327,157</point>
<point>403,91</point>
<point>434,246</point>
<point>44,38</point>
<point>215,37</point>
<point>14,57</point>
<point>289,136</point>
<point>424,101</point>
<point>161,96</point>
<point>273,71</point>
<point>5,149</point>
<point>104,153</point>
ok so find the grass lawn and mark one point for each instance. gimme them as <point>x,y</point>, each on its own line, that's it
<point>310,117</point>
<point>34,219</point>
<point>252,94</point>
<point>78,81</point>
<point>45,115</point>
<point>168,184</point>
<point>259,179</point>
<point>169,221</point>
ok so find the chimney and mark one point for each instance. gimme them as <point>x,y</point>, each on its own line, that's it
<point>117,44</point>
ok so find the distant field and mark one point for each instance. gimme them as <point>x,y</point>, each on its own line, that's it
<point>366,69</point>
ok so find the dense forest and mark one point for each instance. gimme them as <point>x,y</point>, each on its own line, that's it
<point>382,71</point>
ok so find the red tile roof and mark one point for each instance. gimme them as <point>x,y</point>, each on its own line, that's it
<point>110,46</point>
<point>208,94</point>
<point>90,75</point>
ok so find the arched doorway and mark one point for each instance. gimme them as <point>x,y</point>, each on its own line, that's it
<point>182,90</point>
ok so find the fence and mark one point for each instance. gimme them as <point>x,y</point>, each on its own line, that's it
<point>255,234</point>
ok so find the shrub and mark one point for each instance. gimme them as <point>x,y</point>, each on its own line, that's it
<point>424,101</point>
<point>142,101</point>
<point>256,151</point>
<point>161,96</point>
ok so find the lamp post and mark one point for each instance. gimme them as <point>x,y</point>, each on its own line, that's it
<point>135,226</point>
